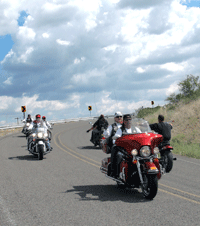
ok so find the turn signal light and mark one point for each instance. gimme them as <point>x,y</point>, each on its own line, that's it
<point>135,161</point>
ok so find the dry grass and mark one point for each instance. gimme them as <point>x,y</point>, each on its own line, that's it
<point>186,127</point>
<point>186,119</point>
<point>9,131</point>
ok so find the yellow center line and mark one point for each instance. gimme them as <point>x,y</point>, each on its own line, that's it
<point>73,154</point>
<point>179,196</point>
<point>75,151</point>
<point>180,190</point>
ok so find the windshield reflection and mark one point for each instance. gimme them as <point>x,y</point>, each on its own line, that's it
<point>140,125</point>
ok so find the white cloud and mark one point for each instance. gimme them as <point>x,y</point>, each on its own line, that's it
<point>77,61</point>
<point>62,42</point>
<point>45,35</point>
<point>173,66</point>
<point>125,53</point>
<point>8,81</point>
<point>172,89</point>
<point>111,47</point>
<point>26,33</point>
<point>88,77</point>
<point>140,70</point>
<point>23,57</point>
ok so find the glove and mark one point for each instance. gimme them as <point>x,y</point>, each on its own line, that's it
<point>88,131</point>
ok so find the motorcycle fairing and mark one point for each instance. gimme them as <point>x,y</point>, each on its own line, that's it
<point>136,141</point>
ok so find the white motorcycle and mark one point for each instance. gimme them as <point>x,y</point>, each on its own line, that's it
<point>25,129</point>
<point>38,142</point>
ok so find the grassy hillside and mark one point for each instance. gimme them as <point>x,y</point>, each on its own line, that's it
<point>186,125</point>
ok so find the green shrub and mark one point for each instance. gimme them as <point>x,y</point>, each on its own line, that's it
<point>147,111</point>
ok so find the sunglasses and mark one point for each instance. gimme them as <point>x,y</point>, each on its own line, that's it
<point>118,116</point>
<point>129,119</point>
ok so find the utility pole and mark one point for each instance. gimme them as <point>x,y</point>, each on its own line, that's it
<point>17,120</point>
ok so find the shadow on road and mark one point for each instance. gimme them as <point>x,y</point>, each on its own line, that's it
<point>107,193</point>
<point>21,136</point>
<point>24,157</point>
<point>89,147</point>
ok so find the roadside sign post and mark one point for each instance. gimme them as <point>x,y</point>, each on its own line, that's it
<point>90,109</point>
<point>23,110</point>
<point>152,103</point>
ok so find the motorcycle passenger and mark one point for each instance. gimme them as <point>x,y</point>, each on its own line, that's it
<point>112,129</point>
<point>48,125</point>
<point>96,129</point>
<point>46,122</point>
<point>124,129</point>
<point>164,129</point>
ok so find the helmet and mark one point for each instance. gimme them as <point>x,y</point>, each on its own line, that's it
<point>43,117</point>
<point>117,114</point>
<point>38,116</point>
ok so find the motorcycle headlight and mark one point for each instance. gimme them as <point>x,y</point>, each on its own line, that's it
<point>134,152</point>
<point>45,134</point>
<point>40,135</point>
<point>156,150</point>
<point>33,135</point>
<point>145,151</point>
<point>27,124</point>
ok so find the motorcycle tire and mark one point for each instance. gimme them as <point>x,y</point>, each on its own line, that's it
<point>40,152</point>
<point>168,161</point>
<point>150,187</point>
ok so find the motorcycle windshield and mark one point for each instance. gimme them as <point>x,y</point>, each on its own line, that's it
<point>40,128</point>
<point>139,125</point>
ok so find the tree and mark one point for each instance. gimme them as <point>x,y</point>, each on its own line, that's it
<point>188,88</point>
<point>189,85</point>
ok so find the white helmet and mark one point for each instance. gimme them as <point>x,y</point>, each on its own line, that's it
<point>118,113</point>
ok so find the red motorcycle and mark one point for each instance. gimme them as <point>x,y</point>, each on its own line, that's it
<point>138,165</point>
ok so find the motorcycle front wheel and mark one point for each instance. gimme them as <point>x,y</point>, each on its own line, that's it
<point>40,152</point>
<point>150,186</point>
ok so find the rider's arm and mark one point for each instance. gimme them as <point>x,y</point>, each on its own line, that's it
<point>31,126</point>
<point>154,127</point>
<point>117,135</point>
<point>48,124</point>
<point>107,132</point>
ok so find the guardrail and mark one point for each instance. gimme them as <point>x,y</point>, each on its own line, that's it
<point>54,122</point>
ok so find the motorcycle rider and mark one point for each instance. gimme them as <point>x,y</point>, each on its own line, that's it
<point>124,129</point>
<point>96,129</point>
<point>38,122</point>
<point>112,129</point>
<point>29,119</point>
<point>164,129</point>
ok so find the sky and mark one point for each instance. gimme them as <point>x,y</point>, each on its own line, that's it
<point>57,57</point>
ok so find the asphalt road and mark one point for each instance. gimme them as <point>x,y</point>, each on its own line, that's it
<point>67,187</point>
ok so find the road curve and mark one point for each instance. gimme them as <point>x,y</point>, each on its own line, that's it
<point>67,187</point>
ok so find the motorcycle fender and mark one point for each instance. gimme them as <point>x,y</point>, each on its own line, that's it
<point>151,168</point>
<point>40,142</point>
